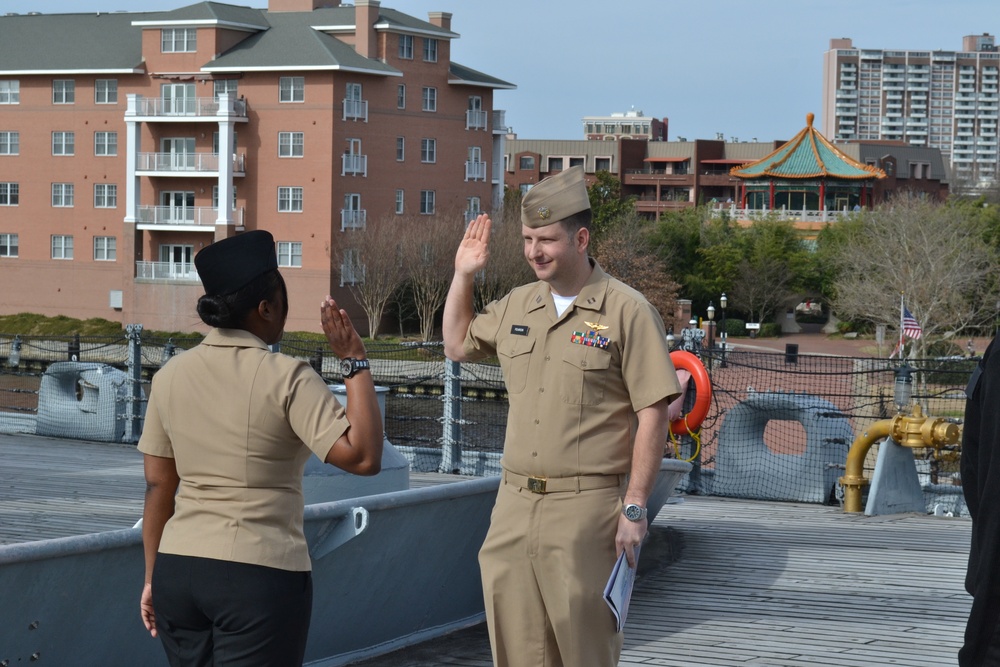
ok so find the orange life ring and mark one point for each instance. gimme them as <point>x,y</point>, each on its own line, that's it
<point>690,422</point>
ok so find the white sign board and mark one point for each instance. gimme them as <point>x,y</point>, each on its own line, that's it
<point>753,326</point>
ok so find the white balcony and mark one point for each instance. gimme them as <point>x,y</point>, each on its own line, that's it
<point>180,271</point>
<point>499,122</point>
<point>475,119</point>
<point>475,171</point>
<point>355,165</point>
<point>184,107</point>
<point>352,219</point>
<point>356,110</point>
<point>182,218</point>
<point>185,164</point>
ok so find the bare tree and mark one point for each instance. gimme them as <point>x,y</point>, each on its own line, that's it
<point>933,253</point>
<point>626,254</point>
<point>507,267</point>
<point>428,248</point>
<point>372,256</point>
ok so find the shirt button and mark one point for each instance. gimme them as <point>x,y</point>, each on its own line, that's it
<point>535,454</point>
<point>536,421</point>
<point>583,364</point>
<point>541,390</point>
<point>547,357</point>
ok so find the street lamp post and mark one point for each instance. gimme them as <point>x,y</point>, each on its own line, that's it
<point>723,301</point>
<point>711,333</point>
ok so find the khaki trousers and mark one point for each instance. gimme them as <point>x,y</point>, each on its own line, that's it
<point>545,562</point>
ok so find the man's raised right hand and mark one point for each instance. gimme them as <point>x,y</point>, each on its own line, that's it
<point>474,251</point>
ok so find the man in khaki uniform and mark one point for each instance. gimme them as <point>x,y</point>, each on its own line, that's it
<point>589,377</point>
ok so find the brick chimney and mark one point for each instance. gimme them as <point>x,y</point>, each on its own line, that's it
<point>365,16</point>
<point>440,19</point>
<point>298,5</point>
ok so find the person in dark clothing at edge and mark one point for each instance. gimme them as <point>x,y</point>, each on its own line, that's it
<point>981,485</point>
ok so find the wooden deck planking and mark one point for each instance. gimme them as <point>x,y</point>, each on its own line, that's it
<point>757,583</point>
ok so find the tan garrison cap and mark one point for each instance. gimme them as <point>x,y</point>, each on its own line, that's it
<point>555,198</point>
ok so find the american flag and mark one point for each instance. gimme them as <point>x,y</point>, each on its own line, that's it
<point>911,328</point>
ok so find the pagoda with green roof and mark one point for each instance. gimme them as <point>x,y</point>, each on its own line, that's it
<point>809,176</point>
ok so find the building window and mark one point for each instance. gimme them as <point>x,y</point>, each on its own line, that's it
<point>430,99</point>
<point>62,247</point>
<point>526,162</point>
<point>400,196</point>
<point>62,195</point>
<point>289,253</point>
<point>63,143</point>
<point>8,245</point>
<point>430,50</point>
<point>105,248</point>
<point>292,89</point>
<point>10,91</point>
<point>10,143</point>
<point>105,143</point>
<point>63,91</point>
<point>575,162</point>
<point>291,144</point>
<point>178,40</point>
<point>9,194</point>
<point>602,164</point>
<point>555,164</point>
<point>428,150</point>
<point>106,91</point>
<point>426,202</point>
<point>289,200</point>
<point>224,86</point>
<point>215,197</point>
<point>352,271</point>
<point>406,47</point>
<point>400,149</point>
<point>401,96</point>
<point>105,195</point>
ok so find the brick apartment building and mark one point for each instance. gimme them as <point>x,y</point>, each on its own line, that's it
<point>122,133</point>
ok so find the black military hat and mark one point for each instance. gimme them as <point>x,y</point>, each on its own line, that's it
<point>229,264</point>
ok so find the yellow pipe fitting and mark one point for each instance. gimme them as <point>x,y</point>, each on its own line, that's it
<point>912,430</point>
<point>854,474</point>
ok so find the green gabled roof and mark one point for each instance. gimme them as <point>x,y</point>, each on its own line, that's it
<point>460,74</point>
<point>205,13</point>
<point>808,155</point>
<point>70,43</point>
<point>292,42</point>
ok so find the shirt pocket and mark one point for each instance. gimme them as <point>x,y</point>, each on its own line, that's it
<point>514,355</point>
<point>584,370</point>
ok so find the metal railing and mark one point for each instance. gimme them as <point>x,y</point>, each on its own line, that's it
<point>185,162</point>
<point>352,219</point>
<point>202,216</point>
<point>475,171</point>
<point>355,164</point>
<point>356,110</point>
<point>475,119</point>
<point>166,271</point>
<point>183,106</point>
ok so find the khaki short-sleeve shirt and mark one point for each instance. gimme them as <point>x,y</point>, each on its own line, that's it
<point>575,382</point>
<point>240,423</point>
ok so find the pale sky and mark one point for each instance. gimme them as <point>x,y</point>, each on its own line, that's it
<point>745,69</point>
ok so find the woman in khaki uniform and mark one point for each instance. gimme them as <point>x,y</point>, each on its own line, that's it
<point>228,429</point>
<point>589,377</point>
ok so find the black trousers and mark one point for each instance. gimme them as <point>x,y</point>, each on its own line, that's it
<point>982,634</point>
<point>214,613</point>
